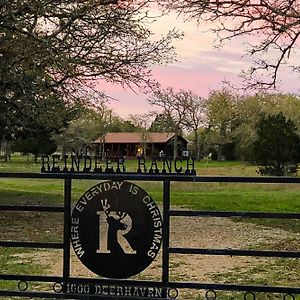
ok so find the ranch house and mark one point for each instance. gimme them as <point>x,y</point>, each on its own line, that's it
<point>132,144</point>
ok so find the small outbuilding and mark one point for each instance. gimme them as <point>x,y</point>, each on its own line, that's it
<point>132,144</point>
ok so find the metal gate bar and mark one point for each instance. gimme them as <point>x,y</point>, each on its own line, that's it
<point>165,283</point>
<point>166,235</point>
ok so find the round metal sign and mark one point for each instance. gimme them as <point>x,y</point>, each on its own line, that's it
<point>116,229</point>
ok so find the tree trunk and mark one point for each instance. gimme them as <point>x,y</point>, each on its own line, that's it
<point>175,144</point>
<point>223,139</point>
<point>196,142</point>
<point>220,152</point>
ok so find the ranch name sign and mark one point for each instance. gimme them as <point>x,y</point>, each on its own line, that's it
<point>95,164</point>
<point>116,229</point>
<point>116,232</point>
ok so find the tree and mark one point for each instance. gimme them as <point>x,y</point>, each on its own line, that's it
<point>69,42</point>
<point>88,125</point>
<point>174,105</point>
<point>60,48</point>
<point>288,104</point>
<point>39,142</point>
<point>128,126</point>
<point>34,134</point>
<point>222,118</point>
<point>276,149</point>
<point>162,123</point>
<point>250,110</point>
<point>270,26</point>
<point>141,123</point>
<point>196,118</point>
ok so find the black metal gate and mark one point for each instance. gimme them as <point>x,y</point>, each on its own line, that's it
<point>68,287</point>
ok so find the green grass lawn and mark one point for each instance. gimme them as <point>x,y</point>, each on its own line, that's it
<point>196,196</point>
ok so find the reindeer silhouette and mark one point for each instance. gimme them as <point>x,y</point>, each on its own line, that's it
<point>114,225</point>
<point>119,224</point>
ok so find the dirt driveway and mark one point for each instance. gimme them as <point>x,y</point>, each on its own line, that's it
<point>211,233</point>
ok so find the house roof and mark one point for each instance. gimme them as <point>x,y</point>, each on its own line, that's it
<point>135,137</point>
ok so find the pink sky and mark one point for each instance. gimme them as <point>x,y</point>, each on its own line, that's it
<point>200,68</point>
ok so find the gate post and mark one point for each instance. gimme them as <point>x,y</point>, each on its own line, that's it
<point>166,237</point>
<point>67,223</point>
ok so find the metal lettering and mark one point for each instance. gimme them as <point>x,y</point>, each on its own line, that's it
<point>133,190</point>
<point>154,163</point>
<point>79,207</point>
<point>168,163</point>
<point>45,164</point>
<point>55,160</point>
<point>75,161</point>
<point>87,167</point>
<point>86,163</point>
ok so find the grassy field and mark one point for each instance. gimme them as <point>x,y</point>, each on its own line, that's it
<point>195,196</point>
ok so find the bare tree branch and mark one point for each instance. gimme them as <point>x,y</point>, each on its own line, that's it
<point>271,26</point>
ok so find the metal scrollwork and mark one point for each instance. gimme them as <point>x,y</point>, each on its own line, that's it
<point>211,295</point>
<point>173,293</point>
<point>57,287</point>
<point>22,286</point>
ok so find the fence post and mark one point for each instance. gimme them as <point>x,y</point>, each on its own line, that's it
<point>166,237</point>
